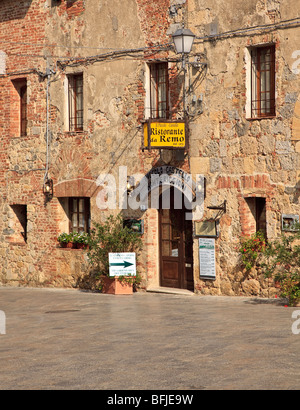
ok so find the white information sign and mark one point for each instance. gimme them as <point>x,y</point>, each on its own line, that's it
<point>122,264</point>
<point>207,258</point>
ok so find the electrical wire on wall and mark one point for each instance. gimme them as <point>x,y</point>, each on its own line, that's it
<point>122,53</point>
<point>142,53</point>
<point>290,23</point>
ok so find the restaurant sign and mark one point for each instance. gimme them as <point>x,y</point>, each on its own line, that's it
<point>165,134</point>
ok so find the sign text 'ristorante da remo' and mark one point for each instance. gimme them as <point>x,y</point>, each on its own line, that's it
<point>165,134</point>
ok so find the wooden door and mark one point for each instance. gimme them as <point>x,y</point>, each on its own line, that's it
<point>176,249</point>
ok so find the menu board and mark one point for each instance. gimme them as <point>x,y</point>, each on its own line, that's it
<point>207,258</point>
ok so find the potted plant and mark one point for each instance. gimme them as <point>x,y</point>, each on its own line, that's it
<point>112,237</point>
<point>65,240</point>
<point>80,239</point>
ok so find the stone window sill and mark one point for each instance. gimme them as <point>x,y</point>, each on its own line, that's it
<point>271,117</point>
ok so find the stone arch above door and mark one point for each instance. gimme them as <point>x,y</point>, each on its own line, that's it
<point>170,176</point>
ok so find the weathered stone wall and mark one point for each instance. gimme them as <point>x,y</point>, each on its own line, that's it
<point>110,44</point>
<point>243,157</point>
<point>22,37</point>
<point>71,37</point>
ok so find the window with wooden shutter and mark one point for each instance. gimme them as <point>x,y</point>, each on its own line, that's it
<point>79,214</point>
<point>263,82</point>
<point>159,90</point>
<point>75,102</point>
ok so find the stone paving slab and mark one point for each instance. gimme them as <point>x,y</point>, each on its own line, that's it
<point>67,339</point>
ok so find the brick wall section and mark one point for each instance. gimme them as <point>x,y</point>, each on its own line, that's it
<point>73,8</point>
<point>22,36</point>
<point>154,20</point>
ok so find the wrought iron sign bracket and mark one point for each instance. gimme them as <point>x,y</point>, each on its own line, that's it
<point>220,207</point>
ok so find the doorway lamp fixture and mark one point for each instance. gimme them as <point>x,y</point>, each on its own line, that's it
<point>48,187</point>
<point>131,185</point>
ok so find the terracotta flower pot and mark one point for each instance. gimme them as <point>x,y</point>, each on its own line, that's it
<point>114,286</point>
<point>80,245</point>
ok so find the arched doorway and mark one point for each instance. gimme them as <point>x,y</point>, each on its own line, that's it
<point>175,243</point>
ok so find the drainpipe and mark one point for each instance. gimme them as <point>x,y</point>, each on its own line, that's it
<point>48,75</point>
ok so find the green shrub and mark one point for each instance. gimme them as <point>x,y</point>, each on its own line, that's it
<point>111,236</point>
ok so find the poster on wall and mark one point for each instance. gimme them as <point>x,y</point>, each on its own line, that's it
<point>207,258</point>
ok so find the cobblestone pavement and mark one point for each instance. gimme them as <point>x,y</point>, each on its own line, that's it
<point>67,339</point>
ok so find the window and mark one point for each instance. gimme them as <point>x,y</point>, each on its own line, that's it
<point>159,90</point>
<point>19,110</point>
<point>23,109</point>
<point>3,58</point>
<point>257,216</point>
<point>79,214</point>
<point>75,91</point>
<point>263,81</point>
<point>18,223</point>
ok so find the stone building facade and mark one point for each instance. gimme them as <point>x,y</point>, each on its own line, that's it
<point>78,81</point>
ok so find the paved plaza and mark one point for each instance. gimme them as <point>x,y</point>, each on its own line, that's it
<point>68,339</point>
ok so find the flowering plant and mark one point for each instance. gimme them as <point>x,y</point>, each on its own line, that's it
<point>73,238</point>
<point>278,259</point>
<point>64,238</point>
<point>251,249</point>
<point>283,264</point>
<point>80,237</point>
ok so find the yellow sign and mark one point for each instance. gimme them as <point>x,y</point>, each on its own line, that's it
<point>165,134</point>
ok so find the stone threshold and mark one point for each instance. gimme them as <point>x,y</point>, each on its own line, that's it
<point>173,291</point>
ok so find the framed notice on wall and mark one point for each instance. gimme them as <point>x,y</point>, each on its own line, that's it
<point>207,258</point>
<point>206,228</point>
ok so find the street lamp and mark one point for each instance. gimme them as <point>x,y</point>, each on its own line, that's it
<point>183,40</point>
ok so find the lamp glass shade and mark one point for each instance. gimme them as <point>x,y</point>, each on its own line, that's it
<point>183,41</point>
